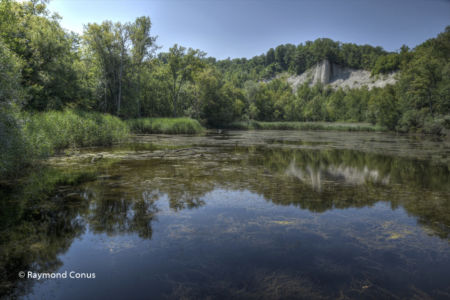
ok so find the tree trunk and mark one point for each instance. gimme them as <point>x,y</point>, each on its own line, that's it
<point>105,105</point>
<point>120,86</point>
<point>139,92</point>
<point>174,100</point>
<point>430,101</point>
<point>197,103</point>
<point>119,98</point>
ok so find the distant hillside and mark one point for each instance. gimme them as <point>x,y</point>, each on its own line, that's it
<point>297,59</point>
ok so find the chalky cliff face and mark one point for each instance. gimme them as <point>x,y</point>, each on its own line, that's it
<point>322,72</point>
<point>338,76</point>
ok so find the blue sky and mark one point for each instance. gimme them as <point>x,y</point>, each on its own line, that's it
<point>249,27</point>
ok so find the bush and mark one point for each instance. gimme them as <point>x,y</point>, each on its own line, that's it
<point>412,120</point>
<point>434,126</point>
<point>446,120</point>
<point>422,121</point>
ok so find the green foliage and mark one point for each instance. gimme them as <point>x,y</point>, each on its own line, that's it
<point>182,66</point>
<point>46,52</point>
<point>268,101</point>
<point>52,131</point>
<point>116,56</point>
<point>14,151</point>
<point>220,101</point>
<point>143,46</point>
<point>106,44</point>
<point>383,108</point>
<point>424,86</point>
<point>156,99</point>
<point>387,63</point>
<point>10,77</point>
<point>425,80</point>
<point>335,106</point>
<point>165,125</point>
<point>275,101</point>
<point>26,136</point>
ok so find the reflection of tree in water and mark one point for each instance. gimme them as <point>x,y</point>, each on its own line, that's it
<point>117,209</point>
<point>115,212</point>
<point>181,200</point>
<point>33,235</point>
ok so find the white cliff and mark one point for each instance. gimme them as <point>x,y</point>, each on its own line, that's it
<point>337,76</point>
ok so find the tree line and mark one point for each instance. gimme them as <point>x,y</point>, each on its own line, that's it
<point>114,68</point>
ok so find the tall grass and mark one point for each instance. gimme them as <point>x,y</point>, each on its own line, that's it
<point>165,125</point>
<point>257,125</point>
<point>52,131</point>
<point>25,137</point>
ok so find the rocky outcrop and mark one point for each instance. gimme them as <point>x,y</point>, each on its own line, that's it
<point>338,76</point>
<point>322,73</point>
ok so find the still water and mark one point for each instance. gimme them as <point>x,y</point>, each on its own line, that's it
<point>241,215</point>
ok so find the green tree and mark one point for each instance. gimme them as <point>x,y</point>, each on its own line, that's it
<point>387,63</point>
<point>13,154</point>
<point>10,76</point>
<point>270,57</point>
<point>46,51</point>
<point>109,46</point>
<point>143,46</point>
<point>156,96</point>
<point>335,106</point>
<point>419,81</point>
<point>182,66</point>
<point>217,98</point>
<point>383,106</point>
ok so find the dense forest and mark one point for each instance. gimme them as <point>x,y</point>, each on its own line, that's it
<point>115,68</point>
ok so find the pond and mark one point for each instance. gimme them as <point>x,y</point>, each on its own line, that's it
<point>240,215</point>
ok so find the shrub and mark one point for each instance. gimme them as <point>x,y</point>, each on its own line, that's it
<point>412,120</point>
<point>434,126</point>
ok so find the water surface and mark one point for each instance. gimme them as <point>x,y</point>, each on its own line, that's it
<point>244,215</point>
